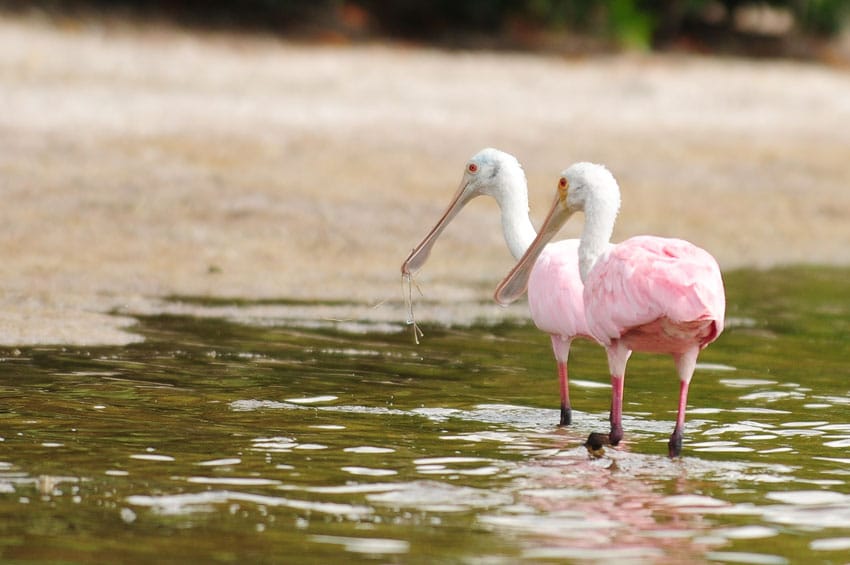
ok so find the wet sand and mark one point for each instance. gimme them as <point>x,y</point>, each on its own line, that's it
<point>142,164</point>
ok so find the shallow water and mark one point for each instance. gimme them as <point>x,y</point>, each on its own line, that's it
<point>227,442</point>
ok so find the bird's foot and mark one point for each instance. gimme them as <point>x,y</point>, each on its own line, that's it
<point>616,435</point>
<point>566,416</point>
<point>674,446</point>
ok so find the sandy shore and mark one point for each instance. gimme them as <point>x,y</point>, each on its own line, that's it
<point>139,164</point>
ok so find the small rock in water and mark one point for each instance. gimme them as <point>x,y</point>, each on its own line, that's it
<point>596,443</point>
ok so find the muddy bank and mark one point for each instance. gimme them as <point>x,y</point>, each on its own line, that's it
<point>139,164</point>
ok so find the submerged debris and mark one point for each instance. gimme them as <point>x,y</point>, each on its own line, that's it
<point>407,284</point>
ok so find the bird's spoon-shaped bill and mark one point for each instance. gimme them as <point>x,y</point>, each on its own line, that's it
<point>420,253</point>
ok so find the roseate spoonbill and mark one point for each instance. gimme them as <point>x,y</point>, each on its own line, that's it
<point>555,289</point>
<point>647,293</point>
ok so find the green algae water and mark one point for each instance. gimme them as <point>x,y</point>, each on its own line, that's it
<point>215,441</point>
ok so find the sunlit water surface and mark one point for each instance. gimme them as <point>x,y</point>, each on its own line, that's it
<point>215,441</point>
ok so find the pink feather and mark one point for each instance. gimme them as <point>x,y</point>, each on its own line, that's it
<point>644,279</point>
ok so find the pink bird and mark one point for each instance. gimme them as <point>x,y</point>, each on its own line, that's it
<point>554,287</point>
<point>645,294</point>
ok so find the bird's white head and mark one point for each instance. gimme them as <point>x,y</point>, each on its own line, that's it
<point>489,172</point>
<point>586,186</point>
<point>582,187</point>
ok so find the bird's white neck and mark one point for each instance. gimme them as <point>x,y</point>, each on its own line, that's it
<point>599,217</point>
<point>516,225</point>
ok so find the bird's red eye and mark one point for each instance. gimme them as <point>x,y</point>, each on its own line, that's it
<point>562,183</point>
<point>472,168</point>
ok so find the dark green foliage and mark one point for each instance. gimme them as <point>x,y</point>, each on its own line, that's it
<point>824,16</point>
<point>639,23</point>
<point>632,22</point>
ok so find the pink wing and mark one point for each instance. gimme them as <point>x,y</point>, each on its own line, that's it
<point>555,291</point>
<point>646,278</point>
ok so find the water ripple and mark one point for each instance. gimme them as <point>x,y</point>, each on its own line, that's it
<point>430,496</point>
<point>371,546</point>
<point>206,501</point>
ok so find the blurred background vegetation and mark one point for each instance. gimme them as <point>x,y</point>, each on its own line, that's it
<point>779,27</point>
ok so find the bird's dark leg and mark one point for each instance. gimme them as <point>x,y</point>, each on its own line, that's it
<point>566,416</point>
<point>674,446</point>
<point>616,417</point>
<point>618,356</point>
<point>563,382</point>
<point>685,364</point>
<point>561,349</point>
<point>675,443</point>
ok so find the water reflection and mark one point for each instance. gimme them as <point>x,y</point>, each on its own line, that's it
<point>509,470</point>
<point>556,502</point>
